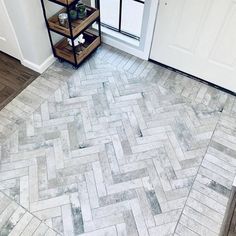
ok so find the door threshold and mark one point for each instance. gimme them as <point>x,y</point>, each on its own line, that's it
<point>194,78</point>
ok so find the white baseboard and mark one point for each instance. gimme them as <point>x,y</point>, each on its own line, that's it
<point>39,68</point>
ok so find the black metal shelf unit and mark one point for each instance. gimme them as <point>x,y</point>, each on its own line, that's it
<point>62,49</point>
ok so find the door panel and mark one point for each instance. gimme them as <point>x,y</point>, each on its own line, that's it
<point>8,43</point>
<point>188,30</point>
<point>224,49</point>
<point>198,37</point>
<point>132,20</point>
<point>123,16</point>
<point>108,16</point>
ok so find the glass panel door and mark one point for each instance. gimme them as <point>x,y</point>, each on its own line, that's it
<point>124,16</point>
<point>110,13</point>
<point>132,17</point>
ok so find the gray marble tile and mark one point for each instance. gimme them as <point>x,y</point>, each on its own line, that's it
<point>120,145</point>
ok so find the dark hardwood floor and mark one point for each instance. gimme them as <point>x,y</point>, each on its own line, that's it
<point>14,77</point>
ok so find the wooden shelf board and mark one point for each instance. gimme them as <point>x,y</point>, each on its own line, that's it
<point>77,25</point>
<point>63,2</point>
<point>65,51</point>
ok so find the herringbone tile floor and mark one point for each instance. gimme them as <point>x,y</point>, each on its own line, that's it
<point>119,147</point>
<point>15,220</point>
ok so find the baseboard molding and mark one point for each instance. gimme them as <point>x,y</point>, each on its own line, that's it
<point>39,68</point>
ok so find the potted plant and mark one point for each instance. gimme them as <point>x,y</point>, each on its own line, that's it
<point>73,14</point>
<point>81,10</point>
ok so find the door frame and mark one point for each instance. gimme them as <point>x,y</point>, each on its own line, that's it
<point>149,19</point>
<point>14,32</point>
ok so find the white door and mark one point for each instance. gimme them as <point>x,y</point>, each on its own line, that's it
<point>8,41</point>
<point>199,38</point>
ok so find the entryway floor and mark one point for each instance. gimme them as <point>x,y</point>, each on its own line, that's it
<point>14,77</point>
<point>119,147</point>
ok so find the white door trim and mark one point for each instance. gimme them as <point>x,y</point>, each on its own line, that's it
<point>150,13</point>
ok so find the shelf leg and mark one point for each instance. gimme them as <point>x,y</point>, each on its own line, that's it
<point>75,67</point>
<point>71,34</point>
<point>99,19</point>
<point>46,21</point>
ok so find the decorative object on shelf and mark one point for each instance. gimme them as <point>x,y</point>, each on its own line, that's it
<point>73,14</point>
<point>78,26</point>
<point>81,10</point>
<point>63,19</point>
<point>81,37</point>
<point>77,41</point>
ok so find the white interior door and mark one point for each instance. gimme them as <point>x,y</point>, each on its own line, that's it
<point>199,38</point>
<point>8,41</point>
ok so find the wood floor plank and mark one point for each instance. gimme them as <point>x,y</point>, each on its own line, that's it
<point>14,77</point>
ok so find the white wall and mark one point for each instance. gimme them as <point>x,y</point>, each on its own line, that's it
<point>27,19</point>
